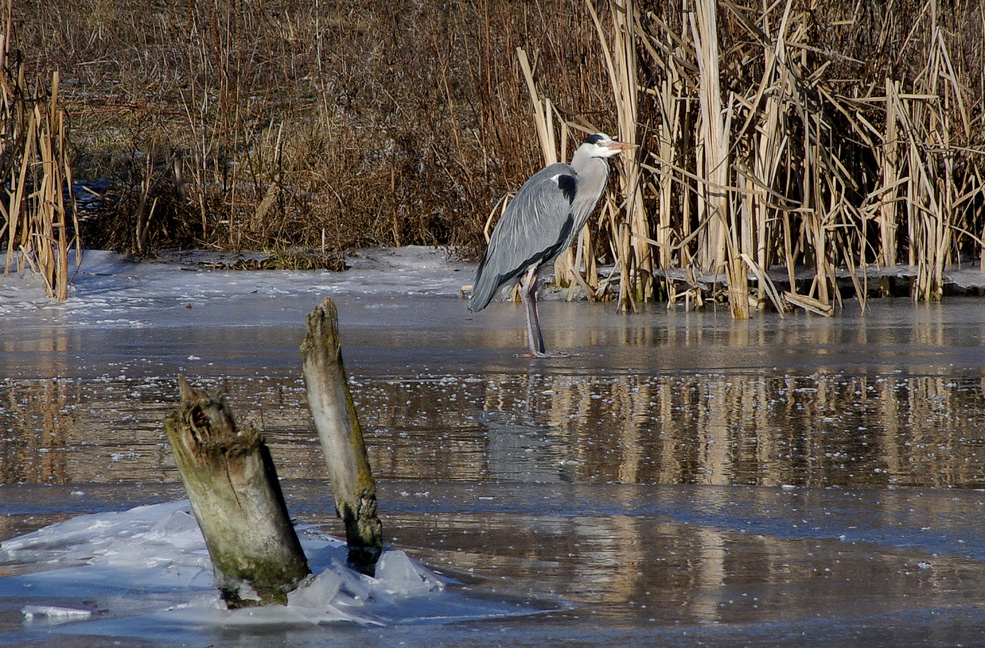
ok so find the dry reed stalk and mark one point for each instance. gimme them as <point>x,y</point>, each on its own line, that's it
<point>543,116</point>
<point>713,154</point>
<point>930,159</point>
<point>669,132</point>
<point>635,261</point>
<point>38,177</point>
<point>50,223</point>
<point>719,246</point>
<point>625,87</point>
<point>770,148</point>
<point>17,236</point>
<point>666,52</point>
<point>889,164</point>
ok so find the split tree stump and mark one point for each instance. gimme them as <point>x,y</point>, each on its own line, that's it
<point>341,437</point>
<point>233,488</point>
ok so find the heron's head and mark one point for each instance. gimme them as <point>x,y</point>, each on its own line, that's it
<point>601,145</point>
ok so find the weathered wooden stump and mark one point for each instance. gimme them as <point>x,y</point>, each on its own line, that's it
<point>341,438</point>
<point>236,497</point>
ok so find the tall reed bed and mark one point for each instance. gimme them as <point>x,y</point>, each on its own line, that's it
<point>38,225</point>
<point>793,137</point>
<point>786,150</point>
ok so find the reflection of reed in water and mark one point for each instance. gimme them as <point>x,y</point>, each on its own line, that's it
<point>752,428</point>
<point>694,555</point>
<point>64,431</point>
<point>817,429</point>
<point>34,450</point>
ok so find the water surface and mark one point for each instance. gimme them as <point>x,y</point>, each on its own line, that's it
<point>679,478</point>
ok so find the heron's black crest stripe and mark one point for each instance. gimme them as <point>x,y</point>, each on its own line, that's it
<point>567,185</point>
<point>594,139</point>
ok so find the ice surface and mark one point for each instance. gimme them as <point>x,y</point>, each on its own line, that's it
<point>150,563</point>
<point>507,461</point>
<point>111,286</point>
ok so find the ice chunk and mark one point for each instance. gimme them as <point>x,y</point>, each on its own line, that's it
<point>318,593</point>
<point>400,576</point>
<point>54,614</point>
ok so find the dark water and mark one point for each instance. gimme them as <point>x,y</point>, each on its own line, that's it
<point>680,478</point>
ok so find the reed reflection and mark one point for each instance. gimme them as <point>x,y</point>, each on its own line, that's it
<point>656,568</point>
<point>818,429</point>
<point>754,427</point>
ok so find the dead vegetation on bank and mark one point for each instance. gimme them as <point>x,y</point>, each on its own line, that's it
<point>833,137</point>
<point>36,206</point>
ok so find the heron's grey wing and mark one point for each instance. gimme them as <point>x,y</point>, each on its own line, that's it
<point>535,228</point>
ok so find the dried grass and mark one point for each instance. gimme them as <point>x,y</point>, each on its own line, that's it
<point>774,138</point>
<point>36,205</point>
<point>806,156</point>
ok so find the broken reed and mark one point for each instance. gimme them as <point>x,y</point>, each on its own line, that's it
<point>38,225</point>
<point>767,155</point>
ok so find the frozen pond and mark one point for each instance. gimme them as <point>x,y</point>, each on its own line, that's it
<point>678,479</point>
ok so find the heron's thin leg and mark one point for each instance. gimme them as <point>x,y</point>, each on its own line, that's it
<point>528,294</point>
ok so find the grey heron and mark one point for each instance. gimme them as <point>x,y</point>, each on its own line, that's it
<point>541,222</point>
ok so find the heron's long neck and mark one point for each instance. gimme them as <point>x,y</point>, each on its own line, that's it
<point>593,174</point>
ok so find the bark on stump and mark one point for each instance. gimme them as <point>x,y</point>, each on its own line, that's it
<point>233,488</point>
<point>341,437</point>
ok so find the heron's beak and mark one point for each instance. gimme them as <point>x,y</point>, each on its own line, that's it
<point>620,146</point>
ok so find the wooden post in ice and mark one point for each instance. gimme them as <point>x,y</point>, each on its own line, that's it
<point>232,484</point>
<point>341,438</point>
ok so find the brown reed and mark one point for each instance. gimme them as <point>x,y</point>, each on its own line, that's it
<point>39,223</point>
<point>797,164</point>
<point>789,150</point>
